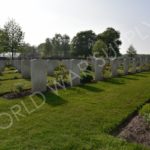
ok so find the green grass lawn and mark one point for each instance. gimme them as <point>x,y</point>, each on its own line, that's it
<point>9,80</point>
<point>10,85</point>
<point>10,73</point>
<point>79,118</point>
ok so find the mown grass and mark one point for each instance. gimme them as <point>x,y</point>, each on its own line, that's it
<point>10,73</point>
<point>145,112</point>
<point>79,118</point>
<point>10,78</point>
<point>10,85</point>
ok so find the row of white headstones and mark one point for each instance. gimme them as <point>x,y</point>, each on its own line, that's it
<point>38,69</point>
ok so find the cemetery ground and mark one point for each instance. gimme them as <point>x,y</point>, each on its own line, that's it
<point>81,117</point>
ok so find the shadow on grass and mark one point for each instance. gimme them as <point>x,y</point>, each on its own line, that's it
<point>1,74</point>
<point>140,75</point>
<point>116,81</point>
<point>129,78</point>
<point>53,99</point>
<point>91,88</point>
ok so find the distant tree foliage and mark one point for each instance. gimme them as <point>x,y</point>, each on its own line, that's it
<point>131,52</point>
<point>58,46</point>
<point>28,51</point>
<point>82,43</point>
<point>61,45</point>
<point>3,41</point>
<point>66,45</point>
<point>48,47</point>
<point>57,42</point>
<point>100,48</point>
<point>15,36</point>
<point>41,49</point>
<point>111,38</point>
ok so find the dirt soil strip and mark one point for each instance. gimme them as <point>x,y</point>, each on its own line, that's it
<point>134,129</point>
<point>137,130</point>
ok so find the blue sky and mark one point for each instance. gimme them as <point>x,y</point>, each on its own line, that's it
<point>43,18</point>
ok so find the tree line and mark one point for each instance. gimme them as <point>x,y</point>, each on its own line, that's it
<point>83,44</point>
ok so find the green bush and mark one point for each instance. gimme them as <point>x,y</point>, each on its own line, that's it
<point>107,71</point>
<point>15,77</point>
<point>145,112</point>
<point>18,87</point>
<point>61,74</point>
<point>87,75</point>
<point>89,68</point>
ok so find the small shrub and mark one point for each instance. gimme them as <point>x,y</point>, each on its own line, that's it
<point>89,68</point>
<point>107,71</point>
<point>15,77</point>
<point>18,88</point>
<point>87,76</point>
<point>9,68</point>
<point>61,74</point>
<point>145,112</point>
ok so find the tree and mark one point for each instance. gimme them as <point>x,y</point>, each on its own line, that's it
<point>57,42</point>
<point>100,48</point>
<point>66,45</point>
<point>3,41</point>
<point>82,43</point>
<point>61,46</point>
<point>28,51</point>
<point>112,39</point>
<point>41,49</point>
<point>48,48</point>
<point>131,52</point>
<point>15,36</point>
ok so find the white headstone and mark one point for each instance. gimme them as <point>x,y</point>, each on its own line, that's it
<point>134,65</point>
<point>67,63</point>
<point>17,65</point>
<point>114,67</point>
<point>99,66</point>
<point>74,72</point>
<point>51,65</point>
<point>26,68</point>
<point>146,63</point>
<point>126,66</point>
<point>39,75</point>
<point>141,64</point>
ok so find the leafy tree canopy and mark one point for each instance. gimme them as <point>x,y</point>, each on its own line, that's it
<point>131,52</point>
<point>100,48</point>
<point>82,43</point>
<point>111,37</point>
<point>3,41</point>
<point>14,36</point>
